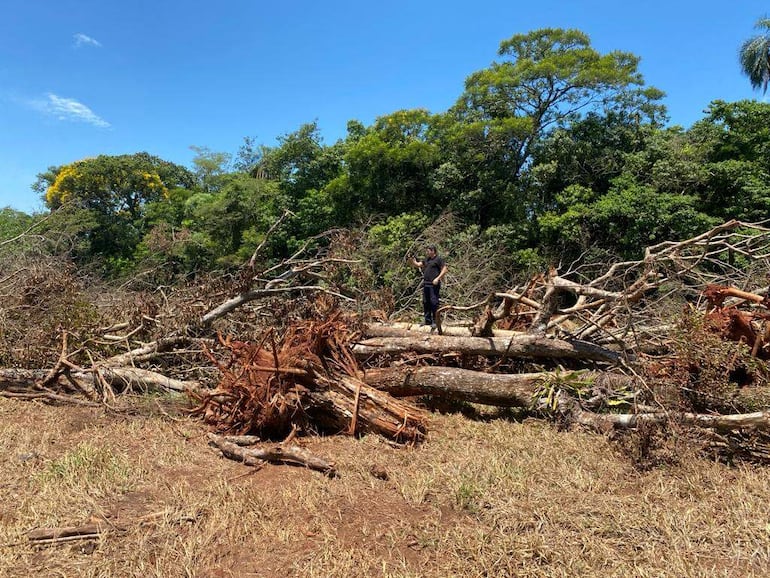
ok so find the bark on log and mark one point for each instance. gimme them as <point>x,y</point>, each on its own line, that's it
<point>502,390</point>
<point>532,346</point>
<point>460,384</point>
<point>351,405</point>
<point>135,378</point>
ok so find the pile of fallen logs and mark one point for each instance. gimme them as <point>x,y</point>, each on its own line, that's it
<point>590,347</point>
<point>582,352</point>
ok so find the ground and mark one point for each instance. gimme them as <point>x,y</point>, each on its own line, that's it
<point>481,497</point>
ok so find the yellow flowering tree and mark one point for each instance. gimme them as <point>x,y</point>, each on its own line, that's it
<point>115,191</point>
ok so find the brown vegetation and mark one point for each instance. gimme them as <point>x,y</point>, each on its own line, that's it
<point>481,496</point>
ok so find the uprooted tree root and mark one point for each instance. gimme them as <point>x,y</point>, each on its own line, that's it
<point>306,380</point>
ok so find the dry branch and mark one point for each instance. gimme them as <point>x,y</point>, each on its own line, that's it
<point>759,420</point>
<point>153,350</point>
<point>277,454</point>
<point>502,390</point>
<point>238,300</point>
<point>123,378</point>
<point>67,533</point>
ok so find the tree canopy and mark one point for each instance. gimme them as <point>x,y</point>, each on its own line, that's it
<point>553,152</point>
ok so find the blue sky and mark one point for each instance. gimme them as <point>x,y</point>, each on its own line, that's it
<point>80,78</point>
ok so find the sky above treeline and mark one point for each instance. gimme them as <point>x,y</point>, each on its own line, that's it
<point>83,78</point>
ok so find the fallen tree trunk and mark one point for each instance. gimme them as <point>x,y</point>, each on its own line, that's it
<point>415,330</point>
<point>532,346</point>
<point>515,390</point>
<point>755,420</point>
<point>137,379</point>
<point>502,390</point>
<point>354,406</point>
<point>125,378</point>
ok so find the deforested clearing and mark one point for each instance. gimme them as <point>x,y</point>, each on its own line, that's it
<point>483,495</point>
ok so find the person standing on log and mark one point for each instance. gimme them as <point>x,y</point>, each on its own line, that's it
<point>433,271</point>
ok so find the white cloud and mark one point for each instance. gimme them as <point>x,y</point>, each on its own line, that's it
<point>82,39</point>
<point>69,109</point>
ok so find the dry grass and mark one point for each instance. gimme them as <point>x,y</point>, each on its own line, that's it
<point>479,498</point>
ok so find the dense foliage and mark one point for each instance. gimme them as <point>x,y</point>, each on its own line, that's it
<point>555,152</point>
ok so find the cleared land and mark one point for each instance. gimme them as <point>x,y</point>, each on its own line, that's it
<point>483,496</point>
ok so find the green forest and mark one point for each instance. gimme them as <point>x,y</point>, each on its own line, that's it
<point>555,153</point>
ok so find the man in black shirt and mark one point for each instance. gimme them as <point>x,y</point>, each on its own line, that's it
<point>433,271</point>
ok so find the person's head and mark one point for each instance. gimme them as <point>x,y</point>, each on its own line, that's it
<point>431,250</point>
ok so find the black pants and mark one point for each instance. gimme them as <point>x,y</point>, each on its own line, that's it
<point>430,296</point>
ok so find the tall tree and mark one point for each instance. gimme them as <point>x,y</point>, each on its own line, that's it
<point>735,140</point>
<point>299,162</point>
<point>547,78</point>
<point>210,166</point>
<point>113,191</point>
<point>389,167</point>
<point>754,56</point>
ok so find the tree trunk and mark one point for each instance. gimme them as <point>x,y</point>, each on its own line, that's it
<point>501,390</point>
<point>416,330</point>
<point>531,346</point>
<point>349,404</point>
<point>755,420</point>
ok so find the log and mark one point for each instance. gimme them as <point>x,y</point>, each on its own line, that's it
<point>416,330</point>
<point>278,454</point>
<point>501,390</point>
<point>135,378</point>
<point>126,377</point>
<point>349,404</point>
<point>755,420</point>
<point>531,346</point>
<point>14,378</point>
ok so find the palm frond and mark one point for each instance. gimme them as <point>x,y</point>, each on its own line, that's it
<point>754,56</point>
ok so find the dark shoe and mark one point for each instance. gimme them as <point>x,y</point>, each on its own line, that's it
<point>432,326</point>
